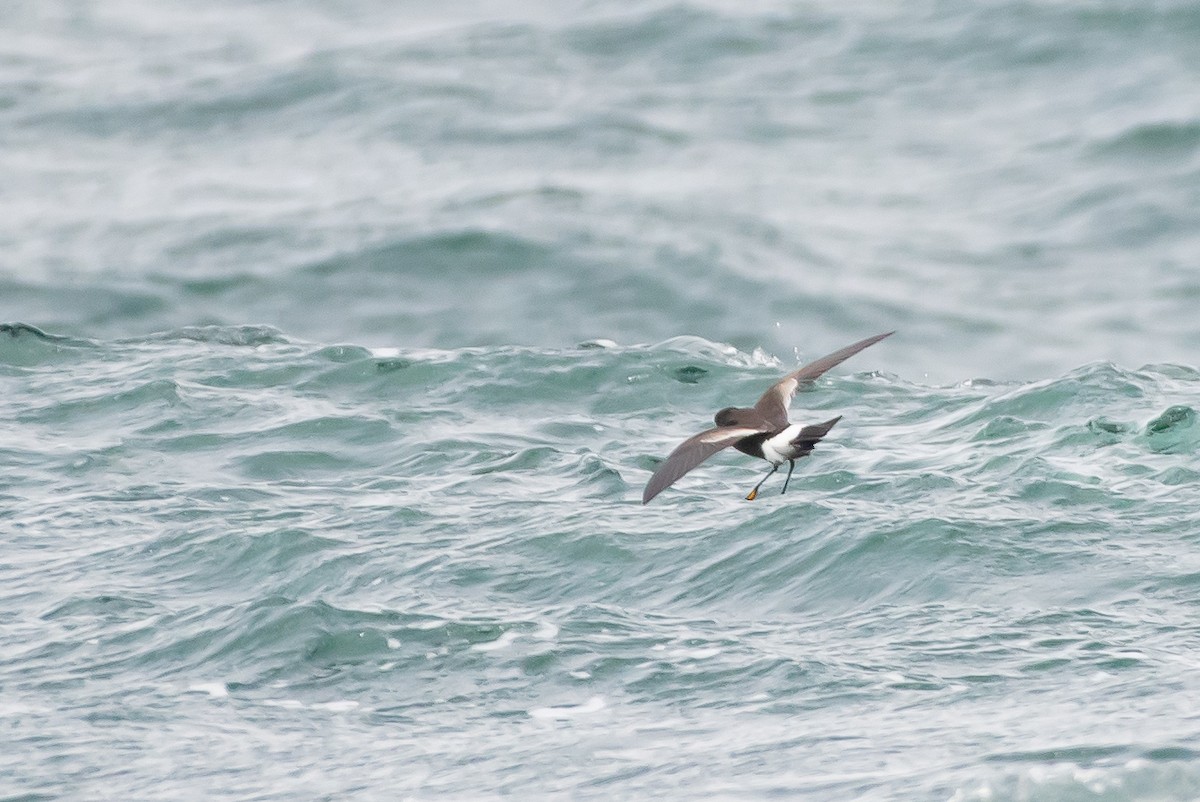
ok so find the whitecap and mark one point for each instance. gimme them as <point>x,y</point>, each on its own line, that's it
<point>546,631</point>
<point>217,690</point>
<point>338,706</point>
<point>595,704</point>
<point>499,643</point>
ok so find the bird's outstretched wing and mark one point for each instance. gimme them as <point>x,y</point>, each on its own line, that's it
<point>774,403</point>
<point>692,452</point>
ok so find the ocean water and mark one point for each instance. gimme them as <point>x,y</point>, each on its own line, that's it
<point>340,340</point>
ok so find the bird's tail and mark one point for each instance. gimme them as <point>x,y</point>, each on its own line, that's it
<point>809,436</point>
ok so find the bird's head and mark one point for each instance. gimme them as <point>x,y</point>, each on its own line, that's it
<point>726,417</point>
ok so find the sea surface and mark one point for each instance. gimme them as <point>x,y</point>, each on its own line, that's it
<point>340,339</point>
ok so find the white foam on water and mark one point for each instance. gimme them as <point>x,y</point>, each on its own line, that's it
<point>217,690</point>
<point>696,654</point>
<point>286,704</point>
<point>431,624</point>
<point>338,706</point>
<point>546,631</point>
<point>593,705</point>
<point>499,643</point>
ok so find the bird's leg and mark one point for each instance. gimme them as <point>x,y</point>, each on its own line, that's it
<point>791,465</point>
<point>754,493</point>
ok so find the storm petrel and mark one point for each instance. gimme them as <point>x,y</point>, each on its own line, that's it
<point>762,430</point>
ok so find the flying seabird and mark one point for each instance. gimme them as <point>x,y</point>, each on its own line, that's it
<point>762,431</point>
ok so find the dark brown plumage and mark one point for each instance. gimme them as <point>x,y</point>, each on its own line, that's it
<point>762,431</point>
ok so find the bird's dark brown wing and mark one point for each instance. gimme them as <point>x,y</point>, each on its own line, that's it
<point>774,403</point>
<point>692,452</point>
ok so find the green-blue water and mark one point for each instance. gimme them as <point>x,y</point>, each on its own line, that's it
<point>342,341</point>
